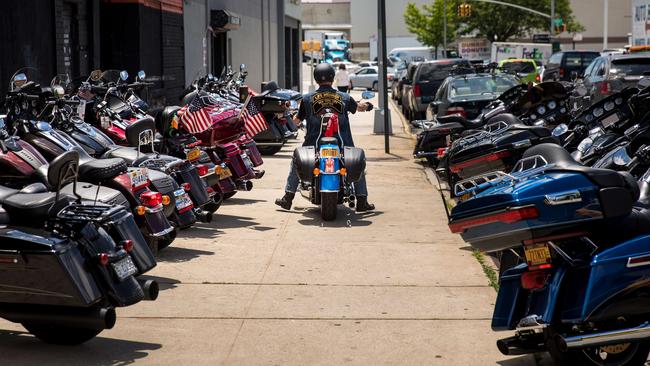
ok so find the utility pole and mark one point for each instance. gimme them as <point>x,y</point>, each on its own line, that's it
<point>605,22</point>
<point>444,30</point>
<point>382,114</point>
<point>552,17</point>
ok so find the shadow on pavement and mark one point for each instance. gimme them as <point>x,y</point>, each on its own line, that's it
<point>346,217</point>
<point>180,254</point>
<point>238,201</point>
<point>538,359</point>
<point>232,222</point>
<point>165,283</point>
<point>21,348</point>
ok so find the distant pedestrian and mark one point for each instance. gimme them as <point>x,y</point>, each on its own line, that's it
<point>342,79</point>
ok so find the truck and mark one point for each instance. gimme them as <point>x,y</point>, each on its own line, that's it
<point>334,45</point>
<point>540,52</point>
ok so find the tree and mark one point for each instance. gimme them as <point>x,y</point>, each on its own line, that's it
<point>500,23</point>
<point>427,23</point>
<point>492,21</point>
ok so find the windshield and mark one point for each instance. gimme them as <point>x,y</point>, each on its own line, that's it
<point>630,66</point>
<point>518,67</point>
<point>463,88</point>
<point>336,44</point>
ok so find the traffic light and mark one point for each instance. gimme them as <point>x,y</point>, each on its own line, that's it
<point>464,10</point>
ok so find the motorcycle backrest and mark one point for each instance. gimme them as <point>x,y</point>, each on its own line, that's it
<point>189,97</point>
<point>164,119</point>
<point>63,169</point>
<point>140,134</point>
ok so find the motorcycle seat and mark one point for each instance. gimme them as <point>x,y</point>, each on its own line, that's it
<point>98,170</point>
<point>6,193</point>
<point>128,154</point>
<point>603,178</point>
<point>466,123</point>
<point>328,140</point>
<point>32,207</point>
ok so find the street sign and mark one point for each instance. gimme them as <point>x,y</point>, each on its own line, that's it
<point>311,45</point>
<point>577,37</point>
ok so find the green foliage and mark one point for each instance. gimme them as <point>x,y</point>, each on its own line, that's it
<point>427,23</point>
<point>491,21</point>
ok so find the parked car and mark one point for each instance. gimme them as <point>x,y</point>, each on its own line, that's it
<point>427,78</point>
<point>467,95</point>
<point>367,63</point>
<point>405,84</point>
<point>396,84</point>
<point>561,64</point>
<point>609,74</point>
<point>525,69</point>
<point>368,78</point>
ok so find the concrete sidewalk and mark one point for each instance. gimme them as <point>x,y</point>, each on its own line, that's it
<point>261,286</point>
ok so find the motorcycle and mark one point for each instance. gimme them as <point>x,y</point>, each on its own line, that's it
<point>582,291</point>
<point>328,170</point>
<point>63,274</point>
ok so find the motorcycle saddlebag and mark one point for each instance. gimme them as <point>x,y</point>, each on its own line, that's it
<point>304,160</point>
<point>253,153</point>
<point>355,162</point>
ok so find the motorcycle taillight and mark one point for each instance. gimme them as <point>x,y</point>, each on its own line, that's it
<point>151,199</point>
<point>534,280</point>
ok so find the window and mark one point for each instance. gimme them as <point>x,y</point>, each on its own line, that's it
<point>464,87</point>
<point>573,60</point>
<point>630,66</point>
<point>599,69</point>
<point>371,71</point>
<point>519,67</point>
<point>436,71</point>
<point>556,59</point>
<point>588,57</point>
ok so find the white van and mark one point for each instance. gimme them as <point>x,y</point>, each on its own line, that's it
<point>412,54</point>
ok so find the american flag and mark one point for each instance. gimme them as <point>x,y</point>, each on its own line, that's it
<point>195,116</point>
<point>254,120</point>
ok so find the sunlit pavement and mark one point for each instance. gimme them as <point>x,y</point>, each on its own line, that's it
<point>262,286</point>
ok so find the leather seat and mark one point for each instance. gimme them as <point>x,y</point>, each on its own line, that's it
<point>31,208</point>
<point>128,154</point>
<point>98,170</point>
<point>6,193</point>
<point>466,123</point>
<point>604,178</point>
<point>328,140</point>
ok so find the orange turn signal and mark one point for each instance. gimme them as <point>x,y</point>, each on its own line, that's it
<point>316,172</point>
<point>218,169</point>
<point>140,210</point>
<point>166,199</point>
<point>343,171</point>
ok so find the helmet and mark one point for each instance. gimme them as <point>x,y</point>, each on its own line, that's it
<point>324,72</point>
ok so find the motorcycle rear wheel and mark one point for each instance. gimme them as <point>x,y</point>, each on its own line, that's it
<point>269,150</point>
<point>328,205</point>
<point>67,336</point>
<point>630,354</point>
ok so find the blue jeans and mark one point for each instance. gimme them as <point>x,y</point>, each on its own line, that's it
<point>360,188</point>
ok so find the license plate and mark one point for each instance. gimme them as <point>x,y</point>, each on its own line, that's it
<point>329,153</point>
<point>124,268</point>
<point>537,255</point>
<point>139,177</point>
<point>247,161</point>
<point>225,173</point>
<point>182,199</point>
<point>194,154</point>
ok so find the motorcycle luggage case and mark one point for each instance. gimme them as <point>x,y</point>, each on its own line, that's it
<point>88,192</point>
<point>492,230</point>
<point>238,165</point>
<point>304,160</point>
<point>250,146</point>
<point>355,162</point>
<point>43,270</point>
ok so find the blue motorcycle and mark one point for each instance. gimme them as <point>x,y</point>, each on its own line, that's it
<point>328,170</point>
<point>582,291</point>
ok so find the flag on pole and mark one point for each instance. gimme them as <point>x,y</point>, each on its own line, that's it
<point>254,121</point>
<point>195,116</point>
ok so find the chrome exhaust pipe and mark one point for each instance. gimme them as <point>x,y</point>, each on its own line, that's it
<point>203,215</point>
<point>636,334</point>
<point>245,186</point>
<point>150,289</point>
<point>513,346</point>
<point>92,318</point>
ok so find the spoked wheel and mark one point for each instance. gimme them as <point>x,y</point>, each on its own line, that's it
<point>328,205</point>
<point>68,336</point>
<point>628,354</point>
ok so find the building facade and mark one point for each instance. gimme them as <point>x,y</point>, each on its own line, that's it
<point>263,35</point>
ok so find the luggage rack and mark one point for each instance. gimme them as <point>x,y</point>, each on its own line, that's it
<point>85,212</point>
<point>489,132</point>
<point>524,168</point>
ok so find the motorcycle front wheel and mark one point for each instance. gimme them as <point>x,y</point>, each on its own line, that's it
<point>328,205</point>
<point>67,336</point>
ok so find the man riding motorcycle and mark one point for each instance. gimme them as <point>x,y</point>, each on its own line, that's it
<point>324,76</point>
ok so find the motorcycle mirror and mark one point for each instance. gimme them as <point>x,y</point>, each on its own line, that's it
<point>19,80</point>
<point>210,77</point>
<point>644,83</point>
<point>95,75</point>
<point>242,67</point>
<point>574,75</point>
<point>141,75</point>
<point>367,94</point>
<point>124,75</point>
<point>560,129</point>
